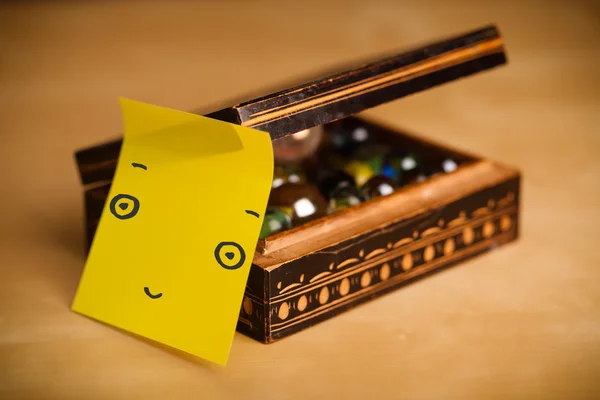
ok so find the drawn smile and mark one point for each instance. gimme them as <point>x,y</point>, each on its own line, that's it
<point>152,296</point>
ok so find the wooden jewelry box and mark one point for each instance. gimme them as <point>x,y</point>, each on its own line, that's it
<point>322,267</point>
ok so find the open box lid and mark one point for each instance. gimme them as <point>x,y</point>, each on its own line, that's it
<point>340,95</point>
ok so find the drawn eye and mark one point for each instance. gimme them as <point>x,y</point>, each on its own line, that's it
<point>124,206</point>
<point>230,255</point>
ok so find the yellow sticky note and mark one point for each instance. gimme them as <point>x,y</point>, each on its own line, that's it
<point>173,248</point>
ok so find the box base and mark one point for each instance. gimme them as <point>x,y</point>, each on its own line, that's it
<point>324,283</point>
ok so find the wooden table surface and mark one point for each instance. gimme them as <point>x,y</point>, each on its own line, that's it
<point>522,322</point>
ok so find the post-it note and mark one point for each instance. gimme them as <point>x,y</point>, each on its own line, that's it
<point>173,248</point>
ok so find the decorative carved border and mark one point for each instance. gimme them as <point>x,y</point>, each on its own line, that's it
<point>336,285</point>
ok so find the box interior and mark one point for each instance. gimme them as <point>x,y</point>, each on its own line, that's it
<point>432,155</point>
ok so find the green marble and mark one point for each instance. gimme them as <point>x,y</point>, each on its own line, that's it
<point>345,197</point>
<point>276,220</point>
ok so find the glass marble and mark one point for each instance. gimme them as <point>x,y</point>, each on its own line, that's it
<point>329,179</point>
<point>428,171</point>
<point>403,167</point>
<point>392,165</point>
<point>276,220</point>
<point>372,154</point>
<point>345,197</point>
<point>449,165</point>
<point>285,173</point>
<point>347,137</point>
<point>360,171</point>
<point>297,147</point>
<point>379,186</point>
<point>303,202</point>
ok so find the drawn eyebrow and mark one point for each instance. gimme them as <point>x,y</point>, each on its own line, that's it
<point>138,165</point>
<point>252,213</point>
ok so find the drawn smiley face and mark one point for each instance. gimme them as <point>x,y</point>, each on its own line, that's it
<point>125,206</point>
<point>229,255</point>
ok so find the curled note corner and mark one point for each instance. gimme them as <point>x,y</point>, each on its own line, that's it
<point>181,134</point>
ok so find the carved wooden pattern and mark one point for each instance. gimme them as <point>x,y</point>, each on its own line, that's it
<point>322,284</point>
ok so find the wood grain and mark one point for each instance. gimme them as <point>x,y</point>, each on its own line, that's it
<point>518,323</point>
